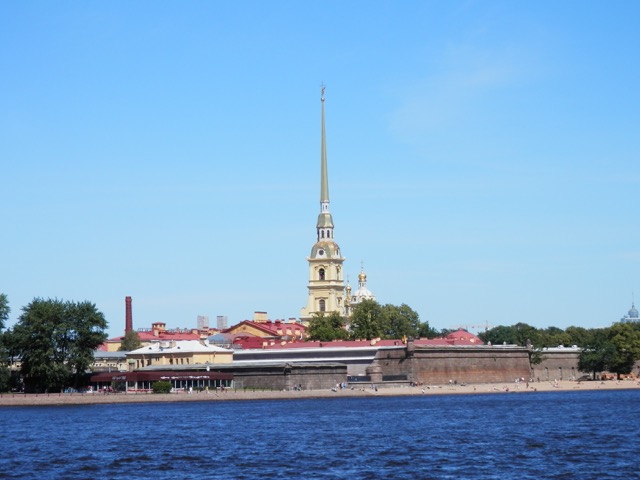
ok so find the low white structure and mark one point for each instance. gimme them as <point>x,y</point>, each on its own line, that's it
<point>183,352</point>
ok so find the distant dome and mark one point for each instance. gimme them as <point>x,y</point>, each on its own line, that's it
<point>631,316</point>
<point>363,294</point>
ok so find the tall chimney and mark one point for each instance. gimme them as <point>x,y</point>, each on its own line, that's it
<point>128,326</point>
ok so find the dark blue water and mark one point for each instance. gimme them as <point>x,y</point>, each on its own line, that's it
<point>535,435</point>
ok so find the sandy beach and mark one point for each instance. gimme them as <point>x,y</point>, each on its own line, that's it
<point>10,399</point>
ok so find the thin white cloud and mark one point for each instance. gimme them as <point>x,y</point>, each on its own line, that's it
<point>449,95</point>
<point>628,256</point>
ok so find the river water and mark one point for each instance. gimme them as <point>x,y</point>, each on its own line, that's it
<point>561,435</point>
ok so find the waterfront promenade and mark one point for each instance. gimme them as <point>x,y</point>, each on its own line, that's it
<point>9,399</point>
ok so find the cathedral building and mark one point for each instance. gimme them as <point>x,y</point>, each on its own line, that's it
<point>326,283</point>
<point>326,287</point>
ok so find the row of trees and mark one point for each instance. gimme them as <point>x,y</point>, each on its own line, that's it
<point>613,349</point>
<point>54,340</point>
<point>370,320</point>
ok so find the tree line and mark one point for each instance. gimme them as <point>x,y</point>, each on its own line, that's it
<point>614,349</point>
<point>53,341</point>
<point>371,320</point>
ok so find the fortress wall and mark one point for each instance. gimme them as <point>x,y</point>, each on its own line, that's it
<point>288,376</point>
<point>560,365</point>
<point>438,365</point>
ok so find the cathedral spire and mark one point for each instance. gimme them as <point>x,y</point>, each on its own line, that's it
<point>325,221</point>
<point>324,177</point>
<point>326,285</point>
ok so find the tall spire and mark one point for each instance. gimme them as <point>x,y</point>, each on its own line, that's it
<point>325,221</point>
<point>324,177</point>
<point>326,292</point>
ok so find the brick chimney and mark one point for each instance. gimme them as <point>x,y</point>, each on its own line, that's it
<point>128,325</point>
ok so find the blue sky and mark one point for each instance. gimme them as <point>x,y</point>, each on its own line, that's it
<point>483,156</point>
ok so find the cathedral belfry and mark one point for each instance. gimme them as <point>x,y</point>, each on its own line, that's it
<point>326,284</point>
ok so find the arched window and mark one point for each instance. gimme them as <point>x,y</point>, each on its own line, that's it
<point>322,306</point>
<point>322,234</point>
<point>321,274</point>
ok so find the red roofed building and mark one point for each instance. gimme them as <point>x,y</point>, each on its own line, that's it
<point>269,332</point>
<point>459,337</point>
<point>158,333</point>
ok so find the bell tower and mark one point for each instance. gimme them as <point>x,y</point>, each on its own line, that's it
<point>326,284</point>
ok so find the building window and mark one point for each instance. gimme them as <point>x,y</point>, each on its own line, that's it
<point>321,273</point>
<point>322,305</point>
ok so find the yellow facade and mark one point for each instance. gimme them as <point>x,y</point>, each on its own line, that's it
<point>188,352</point>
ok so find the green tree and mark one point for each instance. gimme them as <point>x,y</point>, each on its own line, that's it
<point>518,334</point>
<point>579,335</point>
<point>597,354</point>
<point>326,328</point>
<point>4,310</point>
<point>625,337</point>
<point>498,335</point>
<point>55,340</point>
<point>367,321</point>
<point>552,337</point>
<point>5,373</point>
<point>5,379</point>
<point>86,332</point>
<point>130,341</point>
<point>399,321</point>
<point>426,331</point>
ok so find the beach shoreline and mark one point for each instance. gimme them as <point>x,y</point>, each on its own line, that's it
<point>59,399</point>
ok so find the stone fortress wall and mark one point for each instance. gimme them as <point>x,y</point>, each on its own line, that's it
<point>407,364</point>
<point>463,364</point>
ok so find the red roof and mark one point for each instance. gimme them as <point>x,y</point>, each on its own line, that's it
<point>460,337</point>
<point>274,328</point>
<point>337,344</point>
<point>248,341</point>
<point>167,335</point>
<point>149,336</point>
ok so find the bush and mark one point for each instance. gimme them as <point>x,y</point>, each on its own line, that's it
<point>162,387</point>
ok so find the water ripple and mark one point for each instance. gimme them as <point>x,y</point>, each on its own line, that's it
<point>538,435</point>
